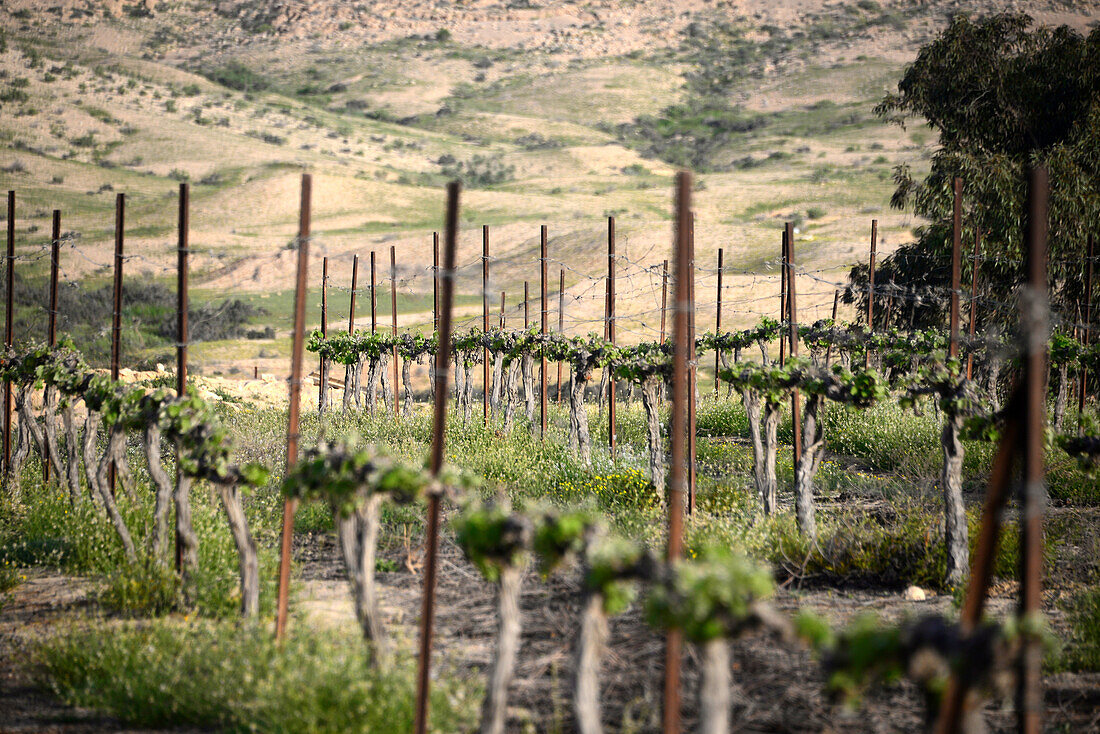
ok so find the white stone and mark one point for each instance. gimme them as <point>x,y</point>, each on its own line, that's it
<point>914,593</point>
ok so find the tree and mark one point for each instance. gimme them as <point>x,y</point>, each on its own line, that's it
<point>1001,95</point>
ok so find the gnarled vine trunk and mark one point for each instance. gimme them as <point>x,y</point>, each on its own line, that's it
<point>384,378</point>
<point>813,450</point>
<point>372,384</point>
<point>358,535</point>
<point>460,388</point>
<point>529,387</point>
<point>955,530</point>
<point>49,423</point>
<point>714,693</point>
<point>72,455</point>
<point>248,562</point>
<point>496,387</point>
<point>1060,399</point>
<point>495,707</point>
<point>406,388</point>
<point>163,486</point>
<point>323,396</point>
<point>579,437</point>
<point>590,646</point>
<point>651,393</point>
<point>187,539</point>
<point>510,386</point>
<point>467,392</point>
<point>352,374</point>
<point>116,437</point>
<point>91,434</point>
<point>763,426</point>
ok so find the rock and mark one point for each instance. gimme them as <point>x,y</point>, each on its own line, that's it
<point>160,369</point>
<point>914,593</point>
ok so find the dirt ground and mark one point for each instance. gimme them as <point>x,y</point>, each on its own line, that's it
<point>777,688</point>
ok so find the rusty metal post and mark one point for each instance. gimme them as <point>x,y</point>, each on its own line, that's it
<point>354,285</point>
<point>1029,693</point>
<point>55,271</point>
<point>289,506</point>
<point>116,323</point>
<point>561,321</point>
<point>981,568</point>
<point>545,316</point>
<point>829,349</point>
<point>8,326</point>
<point>526,313</point>
<point>485,320</point>
<point>783,296</point>
<point>435,281</point>
<point>431,549</point>
<point>611,332</point>
<point>393,315</point>
<point>182,306</point>
<point>51,324</point>
<point>373,296</point>
<point>693,373</point>
<point>1082,381</point>
<point>972,326</point>
<point>792,308</point>
<point>322,378</point>
<point>718,325</point>
<point>502,316</point>
<point>956,267</point>
<point>664,298</point>
<point>678,469</point>
<point>870,289</point>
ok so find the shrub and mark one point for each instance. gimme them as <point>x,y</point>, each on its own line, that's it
<point>236,75</point>
<point>815,212</point>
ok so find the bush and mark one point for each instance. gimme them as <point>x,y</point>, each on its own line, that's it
<point>1082,651</point>
<point>236,75</point>
<point>480,171</point>
<point>815,212</point>
<point>230,677</point>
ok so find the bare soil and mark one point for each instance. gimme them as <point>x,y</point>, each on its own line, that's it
<point>778,688</point>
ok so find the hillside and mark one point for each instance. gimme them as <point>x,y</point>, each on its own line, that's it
<point>556,113</point>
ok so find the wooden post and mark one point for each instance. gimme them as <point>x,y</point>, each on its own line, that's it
<point>182,307</point>
<point>611,332</point>
<point>956,267</point>
<point>354,285</point>
<point>542,376</point>
<point>393,315</point>
<point>681,358</point>
<point>718,324</point>
<point>8,326</point>
<point>116,323</point>
<point>439,422</point>
<point>561,321</point>
<point>973,303</point>
<point>870,289</point>
<point>289,506</point>
<point>485,319</point>
<point>1029,693</point>
<point>792,305</point>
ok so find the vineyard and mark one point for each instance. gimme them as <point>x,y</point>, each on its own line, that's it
<point>677,511</point>
<point>681,460</point>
